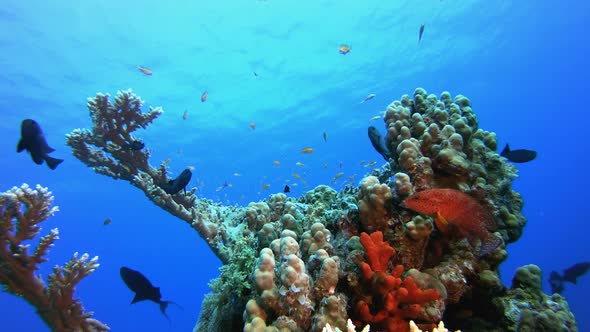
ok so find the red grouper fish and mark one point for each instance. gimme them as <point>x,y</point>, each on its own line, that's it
<point>450,206</point>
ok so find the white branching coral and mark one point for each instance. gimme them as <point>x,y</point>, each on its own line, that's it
<point>21,211</point>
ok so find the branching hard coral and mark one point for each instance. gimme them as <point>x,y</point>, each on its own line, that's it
<point>108,149</point>
<point>21,211</point>
<point>390,301</point>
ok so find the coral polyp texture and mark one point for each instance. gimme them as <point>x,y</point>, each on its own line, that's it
<point>327,257</point>
<point>21,211</point>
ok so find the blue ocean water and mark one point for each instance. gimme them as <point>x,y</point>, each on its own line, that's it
<point>524,65</point>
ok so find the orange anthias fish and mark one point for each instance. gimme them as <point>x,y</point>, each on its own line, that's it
<point>344,49</point>
<point>307,150</point>
<point>204,97</point>
<point>145,70</point>
<point>450,206</point>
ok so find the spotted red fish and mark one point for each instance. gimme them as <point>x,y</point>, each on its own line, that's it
<point>450,206</point>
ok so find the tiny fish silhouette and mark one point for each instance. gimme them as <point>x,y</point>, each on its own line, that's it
<point>420,33</point>
<point>145,70</point>
<point>325,136</point>
<point>518,156</point>
<point>135,145</point>
<point>454,207</point>
<point>143,289</point>
<point>33,140</point>
<point>175,185</point>
<point>287,189</point>
<point>344,49</point>
<point>571,274</point>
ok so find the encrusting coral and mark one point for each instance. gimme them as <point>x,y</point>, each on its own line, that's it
<point>299,264</point>
<point>21,211</point>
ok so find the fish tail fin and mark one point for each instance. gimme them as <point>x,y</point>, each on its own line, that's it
<point>53,162</point>
<point>506,150</point>
<point>489,244</point>
<point>163,306</point>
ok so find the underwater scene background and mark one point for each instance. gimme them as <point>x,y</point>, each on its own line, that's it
<point>276,82</point>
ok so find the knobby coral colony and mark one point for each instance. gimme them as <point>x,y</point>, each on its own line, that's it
<point>21,211</point>
<point>326,257</point>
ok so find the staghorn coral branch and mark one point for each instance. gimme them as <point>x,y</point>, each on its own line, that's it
<point>104,148</point>
<point>21,211</point>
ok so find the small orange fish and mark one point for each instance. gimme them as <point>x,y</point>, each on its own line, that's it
<point>307,150</point>
<point>253,125</point>
<point>237,174</point>
<point>185,115</point>
<point>276,163</point>
<point>266,186</point>
<point>297,176</point>
<point>145,70</point>
<point>300,164</point>
<point>454,207</point>
<point>339,175</point>
<point>376,117</point>
<point>204,96</point>
<point>344,49</point>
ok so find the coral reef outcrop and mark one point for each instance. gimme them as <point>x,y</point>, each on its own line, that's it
<point>327,257</point>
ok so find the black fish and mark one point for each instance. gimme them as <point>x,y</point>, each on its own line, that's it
<point>287,189</point>
<point>571,274</point>
<point>33,140</point>
<point>518,156</point>
<point>134,145</point>
<point>420,33</point>
<point>175,185</point>
<point>143,288</point>
<point>378,143</point>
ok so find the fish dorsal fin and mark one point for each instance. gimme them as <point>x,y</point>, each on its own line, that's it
<point>441,223</point>
<point>506,150</point>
